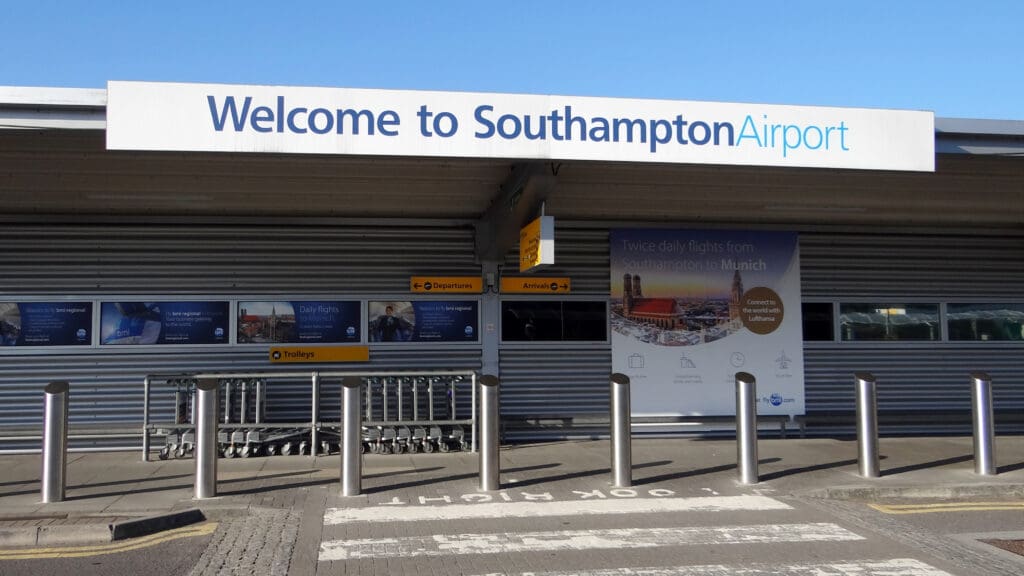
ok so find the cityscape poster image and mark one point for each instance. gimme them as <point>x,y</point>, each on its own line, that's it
<point>691,308</point>
<point>306,322</point>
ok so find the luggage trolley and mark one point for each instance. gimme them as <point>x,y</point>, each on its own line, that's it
<point>404,412</point>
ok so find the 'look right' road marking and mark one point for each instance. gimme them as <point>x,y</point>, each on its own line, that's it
<point>894,567</point>
<point>545,509</point>
<point>504,543</point>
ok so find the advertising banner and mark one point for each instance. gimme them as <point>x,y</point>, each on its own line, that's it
<point>691,308</point>
<point>304,321</point>
<point>45,323</point>
<point>138,323</point>
<point>310,120</point>
<point>424,321</point>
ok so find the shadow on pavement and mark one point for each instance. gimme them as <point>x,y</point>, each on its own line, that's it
<point>697,472</point>
<point>582,474</point>
<point>926,465</point>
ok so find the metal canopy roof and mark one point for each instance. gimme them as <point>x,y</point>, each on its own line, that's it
<point>53,162</point>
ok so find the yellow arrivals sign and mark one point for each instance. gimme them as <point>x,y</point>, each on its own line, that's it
<point>533,285</point>
<point>447,284</point>
<point>537,243</point>
<point>292,354</point>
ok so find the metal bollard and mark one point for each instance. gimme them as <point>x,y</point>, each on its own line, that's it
<point>351,437</point>
<point>984,424</point>
<point>145,418</point>
<point>746,428</point>
<point>622,457</point>
<point>490,465</point>
<point>55,441</point>
<point>314,430</point>
<point>867,425</point>
<point>206,438</point>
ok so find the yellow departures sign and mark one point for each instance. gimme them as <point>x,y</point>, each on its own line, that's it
<point>446,284</point>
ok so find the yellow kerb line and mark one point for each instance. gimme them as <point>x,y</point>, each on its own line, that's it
<point>133,544</point>
<point>946,507</point>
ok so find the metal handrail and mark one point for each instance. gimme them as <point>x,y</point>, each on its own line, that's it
<point>315,377</point>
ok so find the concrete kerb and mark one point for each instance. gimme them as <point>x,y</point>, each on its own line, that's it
<point>152,524</point>
<point>96,532</point>
<point>938,492</point>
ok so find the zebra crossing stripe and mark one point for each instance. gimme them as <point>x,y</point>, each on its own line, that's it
<point>894,567</point>
<point>504,543</point>
<point>554,508</point>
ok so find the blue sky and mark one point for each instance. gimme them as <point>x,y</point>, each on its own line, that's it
<point>959,59</point>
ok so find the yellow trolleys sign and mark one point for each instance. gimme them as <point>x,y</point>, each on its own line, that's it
<point>291,354</point>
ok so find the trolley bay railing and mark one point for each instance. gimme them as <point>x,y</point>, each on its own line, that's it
<point>403,411</point>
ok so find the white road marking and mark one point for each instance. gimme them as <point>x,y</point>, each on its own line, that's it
<point>556,508</point>
<point>503,543</point>
<point>895,567</point>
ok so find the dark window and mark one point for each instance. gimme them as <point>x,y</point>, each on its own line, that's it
<point>985,321</point>
<point>554,321</point>
<point>818,324</point>
<point>887,321</point>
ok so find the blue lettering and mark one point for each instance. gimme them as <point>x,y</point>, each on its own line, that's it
<point>317,112</point>
<point>280,114</point>
<point>291,121</point>
<point>478,115</point>
<point>542,132</point>
<point>424,116</point>
<point>238,120</point>
<point>718,132</point>
<point>262,114</point>
<point>629,126</point>
<point>661,133</point>
<point>748,122</point>
<point>453,124</point>
<point>693,133</point>
<point>571,121</point>
<point>599,131</point>
<point>516,126</point>
<point>355,115</point>
<point>387,120</point>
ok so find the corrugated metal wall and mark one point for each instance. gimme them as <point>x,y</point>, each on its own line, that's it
<point>913,376</point>
<point>293,261</point>
<point>209,262</point>
<point>548,379</point>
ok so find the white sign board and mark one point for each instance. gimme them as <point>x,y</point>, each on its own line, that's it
<point>691,308</point>
<point>295,120</point>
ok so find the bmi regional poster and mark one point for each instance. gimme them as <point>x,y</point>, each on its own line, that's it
<point>691,308</point>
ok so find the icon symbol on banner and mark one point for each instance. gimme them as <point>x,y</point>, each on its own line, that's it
<point>783,361</point>
<point>636,360</point>
<point>685,362</point>
<point>737,359</point>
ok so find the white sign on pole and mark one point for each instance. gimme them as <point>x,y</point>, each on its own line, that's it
<point>296,120</point>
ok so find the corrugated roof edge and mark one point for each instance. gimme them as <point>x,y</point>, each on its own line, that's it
<point>30,96</point>
<point>968,126</point>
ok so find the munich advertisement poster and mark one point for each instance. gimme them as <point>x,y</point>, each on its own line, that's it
<point>691,308</point>
<point>300,322</point>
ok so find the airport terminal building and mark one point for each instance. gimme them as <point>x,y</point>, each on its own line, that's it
<point>153,228</point>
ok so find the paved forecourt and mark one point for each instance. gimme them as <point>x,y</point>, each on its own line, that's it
<point>542,522</point>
